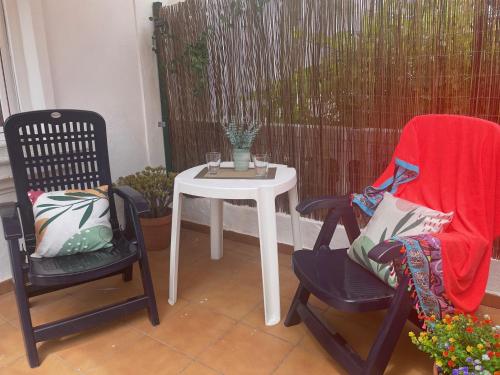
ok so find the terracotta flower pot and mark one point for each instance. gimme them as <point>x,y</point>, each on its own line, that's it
<point>157,232</point>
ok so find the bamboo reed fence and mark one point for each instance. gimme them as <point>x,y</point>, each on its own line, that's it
<point>332,81</point>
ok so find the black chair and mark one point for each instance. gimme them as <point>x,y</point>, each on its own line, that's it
<point>343,284</point>
<point>57,150</point>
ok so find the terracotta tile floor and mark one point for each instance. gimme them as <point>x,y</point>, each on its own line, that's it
<point>216,327</point>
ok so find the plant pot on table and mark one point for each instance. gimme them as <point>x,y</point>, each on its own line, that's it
<point>241,158</point>
<point>156,232</point>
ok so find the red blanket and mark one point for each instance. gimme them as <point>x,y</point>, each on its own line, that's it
<point>459,170</point>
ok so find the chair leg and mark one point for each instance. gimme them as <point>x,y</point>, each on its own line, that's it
<point>149,290</point>
<point>301,297</point>
<point>127,273</point>
<point>389,332</point>
<point>23,304</point>
<point>27,329</point>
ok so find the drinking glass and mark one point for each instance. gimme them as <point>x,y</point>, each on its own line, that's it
<point>260,162</point>
<point>213,162</point>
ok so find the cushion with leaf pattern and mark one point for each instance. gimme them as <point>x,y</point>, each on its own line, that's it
<point>394,217</point>
<point>71,221</point>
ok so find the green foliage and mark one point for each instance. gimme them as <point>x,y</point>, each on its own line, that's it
<point>196,55</point>
<point>461,344</point>
<point>397,50</point>
<point>241,135</point>
<point>156,185</point>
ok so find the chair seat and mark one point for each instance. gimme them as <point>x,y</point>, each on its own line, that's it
<point>342,283</point>
<point>82,267</point>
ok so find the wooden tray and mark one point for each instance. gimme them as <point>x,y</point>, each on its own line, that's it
<point>231,174</point>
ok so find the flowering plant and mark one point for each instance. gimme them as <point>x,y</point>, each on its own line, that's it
<point>461,344</point>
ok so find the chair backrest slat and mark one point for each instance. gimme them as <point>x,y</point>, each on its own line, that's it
<point>56,150</point>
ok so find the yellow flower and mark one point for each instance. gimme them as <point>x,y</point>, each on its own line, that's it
<point>447,316</point>
<point>449,327</point>
<point>455,318</point>
<point>469,348</point>
<point>411,334</point>
<point>434,338</point>
<point>480,346</point>
<point>439,363</point>
<point>453,358</point>
<point>451,339</point>
<point>423,334</point>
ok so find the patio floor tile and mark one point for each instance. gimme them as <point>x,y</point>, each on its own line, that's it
<point>196,368</point>
<point>143,356</point>
<point>246,350</point>
<point>300,362</point>
<point>51,366</point>
<point>191,329</point>
<point>11,344</point>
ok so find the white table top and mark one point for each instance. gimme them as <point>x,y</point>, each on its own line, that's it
<point>285,179</point>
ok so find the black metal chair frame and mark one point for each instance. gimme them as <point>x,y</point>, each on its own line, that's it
<point>315,270</point>
<point>57,150</point>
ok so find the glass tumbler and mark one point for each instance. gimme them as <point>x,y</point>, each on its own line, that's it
<point>213,162</point>
<point>260,162</point>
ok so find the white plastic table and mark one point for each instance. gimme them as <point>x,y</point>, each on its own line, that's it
<point>264,192</point>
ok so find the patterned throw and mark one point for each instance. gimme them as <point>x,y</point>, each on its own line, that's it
<point>71,221</point>
<point>423,262</point>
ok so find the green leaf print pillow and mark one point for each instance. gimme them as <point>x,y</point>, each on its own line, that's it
<point>71,221</point>
<point>394,217</point>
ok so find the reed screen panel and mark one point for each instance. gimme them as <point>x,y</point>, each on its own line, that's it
<point>332,81</point>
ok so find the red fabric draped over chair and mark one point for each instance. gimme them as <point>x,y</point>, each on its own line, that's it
<point>459,170</point>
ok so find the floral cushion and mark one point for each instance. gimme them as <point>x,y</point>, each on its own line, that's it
<point>394,217</point>
<point>71,221</point>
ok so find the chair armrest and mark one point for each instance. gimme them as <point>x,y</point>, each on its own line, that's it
<point>10,220</point>
<point>133,197</point>
<point>338,208</point>
<point>311,204</point>
<point>385,251</point>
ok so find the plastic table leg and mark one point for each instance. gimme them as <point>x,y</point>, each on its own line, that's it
<point>174,246</point>
<point>269,256</point>
<point>216,228</point>
<point>293,200</point>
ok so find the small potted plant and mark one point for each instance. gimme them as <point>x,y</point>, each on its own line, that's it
<point>156,185</point>
<point>241,137</point>
<point>461,344</point>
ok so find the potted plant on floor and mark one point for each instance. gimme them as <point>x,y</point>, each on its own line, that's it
<point>241,137</point>
<point>156,185</point>
<point>461,344</point>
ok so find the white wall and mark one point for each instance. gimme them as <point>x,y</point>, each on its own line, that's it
<point>95,63</point>
<point>92,54</point>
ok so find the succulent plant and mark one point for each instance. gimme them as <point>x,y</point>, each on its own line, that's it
<point>241,135</point>
<point>156,185</point>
